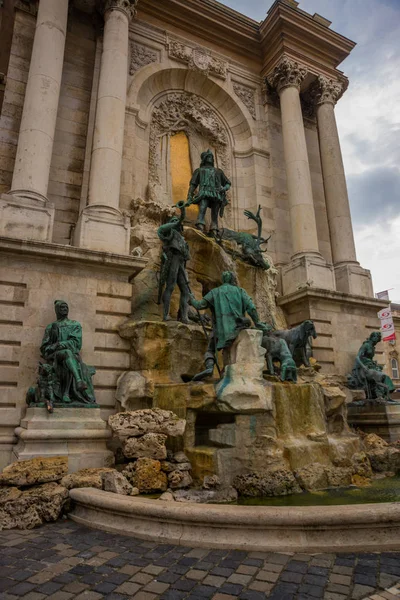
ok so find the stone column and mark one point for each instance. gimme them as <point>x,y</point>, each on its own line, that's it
<point>350,277</point>
<point>26,212</point>
<point>307,266</point>
<point>101,225</point>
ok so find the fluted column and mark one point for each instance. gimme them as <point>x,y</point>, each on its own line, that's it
<point>286,79</point>
<point>35,143</point>
<point>102,226</point>
<point>328,92</point>
<point>307,267</point>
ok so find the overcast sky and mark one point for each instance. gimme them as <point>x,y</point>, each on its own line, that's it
<point>368,119</point>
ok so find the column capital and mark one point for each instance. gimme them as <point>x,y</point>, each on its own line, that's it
<point>287,73</point>
<point>325,90</point>
<point>128,7</point>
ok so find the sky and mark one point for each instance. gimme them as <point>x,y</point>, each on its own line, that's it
<point>368,118</point>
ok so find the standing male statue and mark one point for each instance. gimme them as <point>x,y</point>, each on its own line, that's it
<point>229,304</point>
<point>212,185</point>
<point>175,254</point>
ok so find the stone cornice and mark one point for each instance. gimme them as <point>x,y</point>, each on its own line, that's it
<point>73,257</point>
<point>289,30</point>
<point>331,296</point>
<point>287,73</point>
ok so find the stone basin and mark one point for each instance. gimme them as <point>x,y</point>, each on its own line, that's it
<point>351,528</point>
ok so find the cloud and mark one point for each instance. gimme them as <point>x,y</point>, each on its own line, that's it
<point>375,196</point>
<point>368,118</point>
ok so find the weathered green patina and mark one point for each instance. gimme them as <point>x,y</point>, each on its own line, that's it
<point>64,379</point>
<point>212,185</point>
<point>175,254</point>
<point>367,374</point>
<point>229,305</point>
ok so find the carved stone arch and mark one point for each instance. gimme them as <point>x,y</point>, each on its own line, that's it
<point>176,112</point>
<point>156,79</point>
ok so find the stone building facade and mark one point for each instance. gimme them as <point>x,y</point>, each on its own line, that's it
<point>95,96</point>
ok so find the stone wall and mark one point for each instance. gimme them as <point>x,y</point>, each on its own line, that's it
<point>98,297</point>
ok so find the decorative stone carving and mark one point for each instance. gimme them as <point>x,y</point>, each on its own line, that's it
<point>190,114</point>
<point>141,56</point>
<point>126,6</point>
<point>198,59</point>
<point>287,73</point>
<point>247,96</point>
<point>327,90</point>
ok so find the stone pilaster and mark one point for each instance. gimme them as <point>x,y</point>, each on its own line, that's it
<point>26,212</point>
<point>101,225</point>
<point>307,266</point>
<point>350,277</point>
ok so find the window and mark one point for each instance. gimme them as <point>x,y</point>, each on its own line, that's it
<point>395,369</point>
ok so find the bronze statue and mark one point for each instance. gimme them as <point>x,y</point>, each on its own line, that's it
<point>277,350</point>
<point>298,340</point>
<point>249,243</point>
<point>229,304</point>
<point>212,185</point>
<point>63,378</point>
<point>367,374</point>
<point>175,254</point>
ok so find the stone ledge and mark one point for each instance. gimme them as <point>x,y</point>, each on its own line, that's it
<point>125,264</point>
<point>352,528</point>
<point>332,296</point>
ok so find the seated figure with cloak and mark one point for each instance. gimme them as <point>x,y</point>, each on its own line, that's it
<point>63,377</point>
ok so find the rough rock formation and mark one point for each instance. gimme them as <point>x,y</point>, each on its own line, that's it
<point>266,484</point>
<point>34,471</point>
<point>85,478</point>
<point>140,422</point>
<point>222,495</point>
<point>179,479</point>
<point>147,476</point>
<point>32,507</point>
<point>382,456</point>
<point>150,445</point>
<point>118,484</point>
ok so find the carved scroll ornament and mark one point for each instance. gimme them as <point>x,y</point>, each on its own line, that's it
<point>198,59</point>
<point>141,56</point>
<point>287,73</point>
<point>247,96</point>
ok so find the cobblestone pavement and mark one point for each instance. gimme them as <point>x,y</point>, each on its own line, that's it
<point>64,560</point>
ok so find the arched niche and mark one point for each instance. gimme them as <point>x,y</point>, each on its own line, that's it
<point>164,99</point>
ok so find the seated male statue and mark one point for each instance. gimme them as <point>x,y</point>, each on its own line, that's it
<point>63,378</point>
<point>229,305</point>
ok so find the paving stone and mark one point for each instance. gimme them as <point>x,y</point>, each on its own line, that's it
<point>360,591</point>
<point>196,574</point>
<point>142,578</point>
<point>266,576</point>
<point>75,587</point>
<point>261,586</point>
<point>129,588</point>
<point>21,588</point>
<point>145,596</point>
<point>49,588</point>
<point>240,579</point>
<point>341,579</point>
<point>153,570</point>
<point>157,587</point>
<point>214,580</point>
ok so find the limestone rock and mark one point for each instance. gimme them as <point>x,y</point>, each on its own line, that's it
<point>381,455</point>
<point>151,420</point>
<point>211,482</point>
<point>266,484</point>
<point>7,494</point>
<point>180,457</point>
<point>134,391</point>
<point>219,496</point>
<point>150,445</point>
<point>179,479</point>
<point>361,465</point>
<point>360,481</point>
<point>85,478</point>
<point>167,496</point>
<point>34,471</point>
<point>33,507</point>
<point>339,476</point>
<point>168,467</point>
<point>118,484</point>
<point>148,477</point>
<point>312,477</point>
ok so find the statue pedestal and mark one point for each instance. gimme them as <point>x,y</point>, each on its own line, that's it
<point>243,388</point>
<point>79,433</point>
<point>382,419</point>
